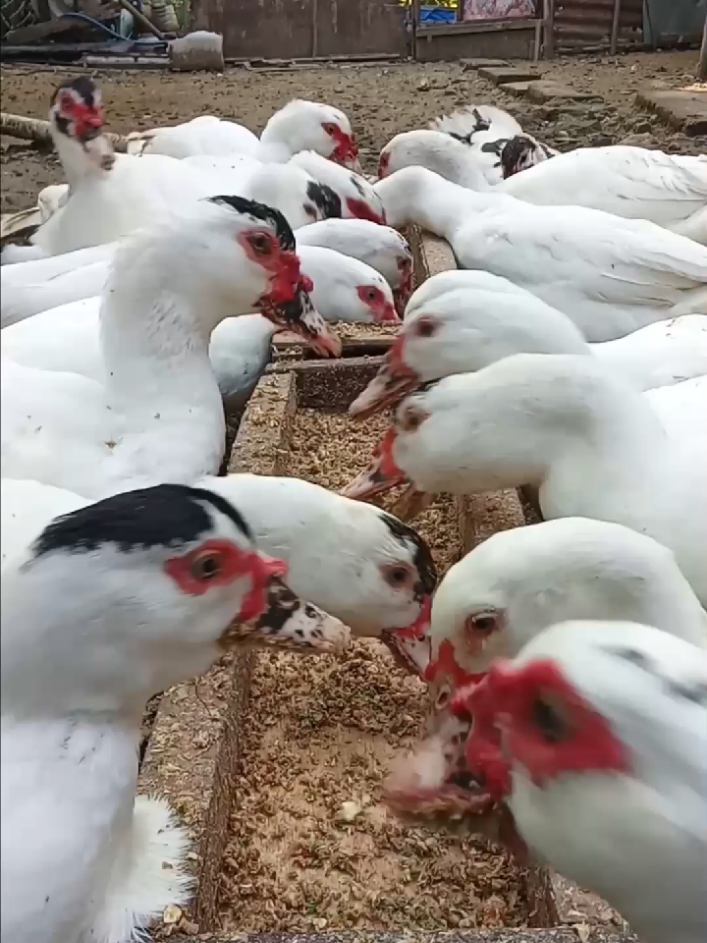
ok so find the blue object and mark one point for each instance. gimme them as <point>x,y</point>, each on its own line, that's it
<point>432,15</point>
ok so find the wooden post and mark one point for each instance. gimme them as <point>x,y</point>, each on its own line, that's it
<point>315,32</point>
<point>37,130</point>
<point>702,67</point>
<point>616,19</point>
<point>415,13</point>
<point>549,29</point>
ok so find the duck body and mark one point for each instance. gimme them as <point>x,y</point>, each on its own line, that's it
<point>205,134</point>
<point>611,276</point>
<point>632,182</point>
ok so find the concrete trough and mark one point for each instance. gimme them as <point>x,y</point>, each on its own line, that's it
<point>196,740</point>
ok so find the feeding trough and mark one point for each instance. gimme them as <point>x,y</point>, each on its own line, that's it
<point>275,761</point>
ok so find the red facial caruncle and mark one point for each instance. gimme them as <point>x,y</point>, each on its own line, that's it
<point>382,309</point>
<point>548,728</point>
<point>86,121</point>
<point>263,248</point>
<point>359,209</point>
<point>384,165</point>
<point>446,668</point>
<point>219,563</point>
<point>345,147</point>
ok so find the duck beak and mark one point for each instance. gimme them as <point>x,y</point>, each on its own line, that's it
<point>98,149</point>
<point>381,475</point>
<point>300,315</point>
<point>272,615</point>
<point>392,382</point>
<point>411,646</point>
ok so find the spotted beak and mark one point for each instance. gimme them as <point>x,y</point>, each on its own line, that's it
<point>393,381</point>
<point>411,646</point>
<point>381,475</point>
<point>298,314</point>
<point>437,785</point>
<point>273,616</point>
<point>98,149</point>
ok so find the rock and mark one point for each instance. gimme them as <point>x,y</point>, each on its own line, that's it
<point>423,85</point>
<point>349,811</point>
<point>643,126</point>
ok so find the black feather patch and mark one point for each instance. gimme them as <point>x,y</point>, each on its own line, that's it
<point>327,200</point>
<point>513,153</point>
<point>259,211</point>
<point>84,86</point>
<point>422,557</point>
<point>166,515</point>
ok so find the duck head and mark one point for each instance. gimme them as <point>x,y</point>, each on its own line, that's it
<point>356,197</point>
<point>132,594</point>
<point>77,121</point>
<point>247,251</point>
<point>521,152</point>
<point>313,126</point>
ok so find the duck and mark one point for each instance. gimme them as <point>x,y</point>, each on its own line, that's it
<point>158,412</point>
<point>382,247</point>
<point>164,579</point>
<point>357,198</point>
<point>632,182</point>
<point>638,697</point>
<point>299,126</point>
<point>602,768</point>
<point>614,275</point>
<point>317,532</point>
<point>442,153</point>
<point>68,337</point>
<point>24,223</point>
<point>514,585</point>
<point>486,131</point>
<point>589,443</point>
<point>468,328</point>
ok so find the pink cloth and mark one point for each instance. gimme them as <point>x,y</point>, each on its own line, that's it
<point>497,9</point>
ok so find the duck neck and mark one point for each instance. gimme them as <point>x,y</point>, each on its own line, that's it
<point>156,323</point>
<point>74,161</point>
<point>417,195</point>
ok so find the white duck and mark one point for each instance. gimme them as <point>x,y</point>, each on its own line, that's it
<point>298,126</point>
<point>467,328</point>
<point>514,585</point>
<point>317,532</point>
<point>613,275</point>
<point>161,580</point>
<point>442,153</point>
<point>158,414</point>
<point>588,442</point>
<point>604,766</point>
<point>68,338</point>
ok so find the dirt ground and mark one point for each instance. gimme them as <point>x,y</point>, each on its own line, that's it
<point>380,100</point>
<point>310,846</point>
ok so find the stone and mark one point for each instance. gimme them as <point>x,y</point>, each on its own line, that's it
<point>545,89</point>
<point>501,75</point>
<point>517,88</point>
<point>472,64</point>
<point>684,110</point>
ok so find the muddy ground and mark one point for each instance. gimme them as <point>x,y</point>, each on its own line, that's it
<point>381,101</point>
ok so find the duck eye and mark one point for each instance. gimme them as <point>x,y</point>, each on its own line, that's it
<point>330,127</point>
<point>548,720</point>
<point>426,327</point>
<point>484,624</point>
<point>206,566</point>
<point>261,244</point>
<point>396,576</point>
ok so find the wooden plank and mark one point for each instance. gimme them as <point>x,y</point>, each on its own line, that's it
<point>458,29</point>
